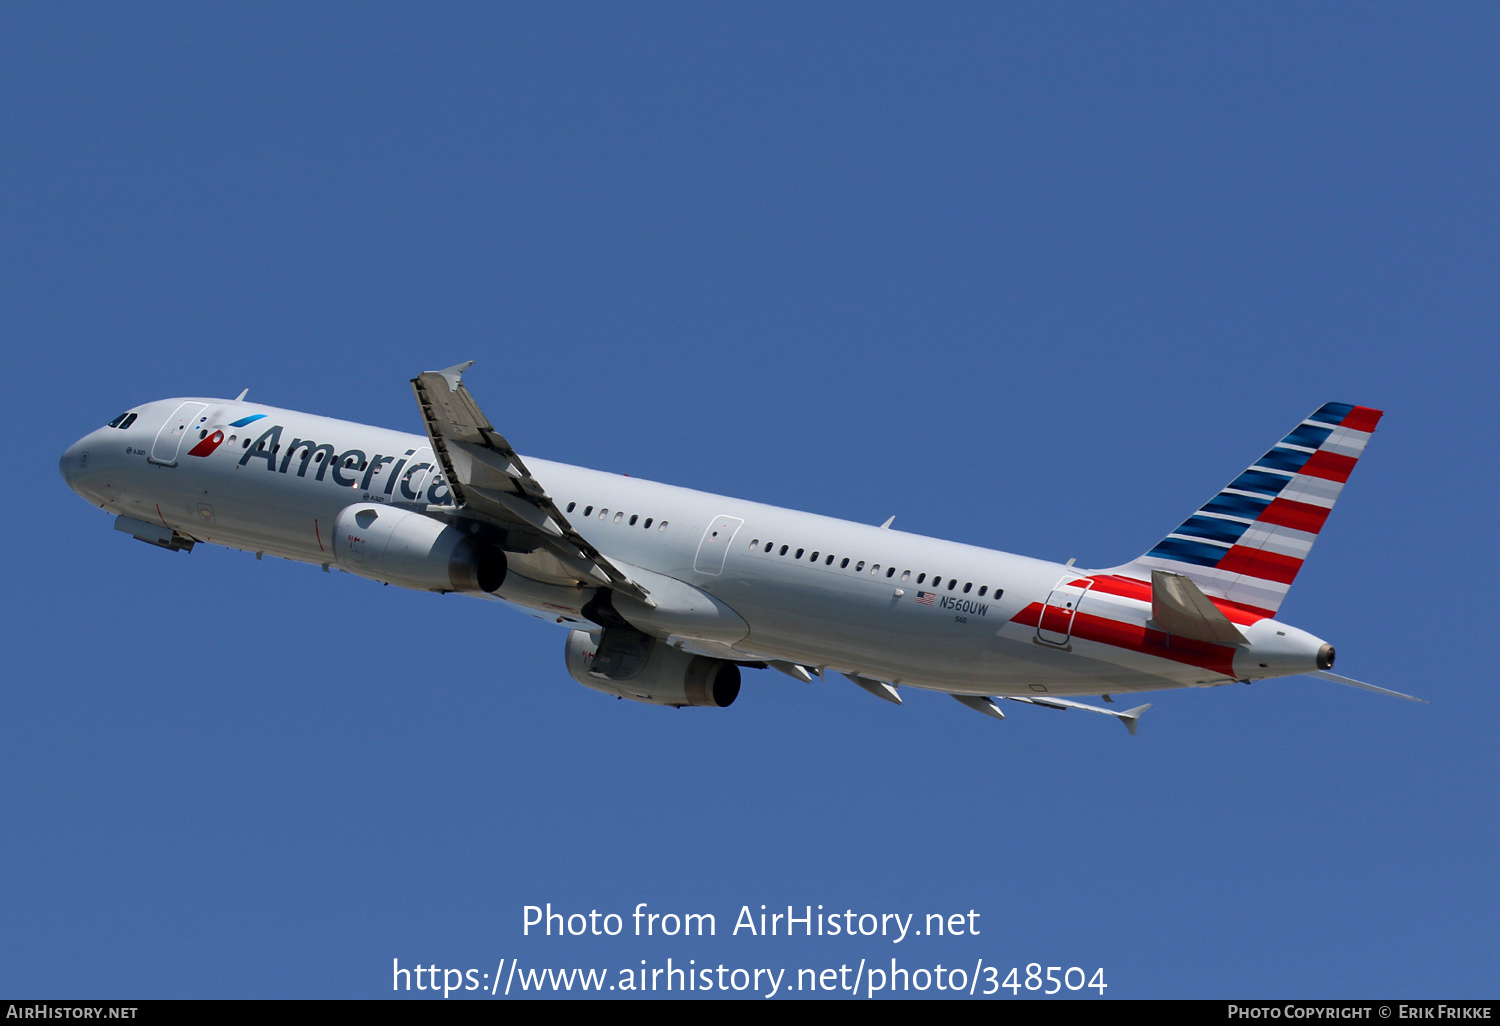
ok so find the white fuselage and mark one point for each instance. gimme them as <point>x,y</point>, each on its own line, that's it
<point>866,605</point>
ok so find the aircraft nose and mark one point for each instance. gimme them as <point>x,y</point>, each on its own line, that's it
<point>69,464</point>
<point>79,461</point>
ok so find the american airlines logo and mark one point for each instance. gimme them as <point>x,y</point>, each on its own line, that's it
<point>207,445</point>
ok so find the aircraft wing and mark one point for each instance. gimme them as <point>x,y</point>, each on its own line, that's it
<point>491,483</point>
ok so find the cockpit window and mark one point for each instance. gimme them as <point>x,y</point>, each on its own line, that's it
<point>119,420</point>
<point>128,421</point>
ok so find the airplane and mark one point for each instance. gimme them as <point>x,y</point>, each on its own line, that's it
<point>668,593</point>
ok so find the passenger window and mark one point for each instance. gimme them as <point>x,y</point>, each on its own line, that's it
<point>588,511</point>
<point>952,583</point>
<point>783,551</point>
<point>770,546</point>
<point>844,563</point>
<point>799,554</point>
<point>936,581</point>
<point>829,562</point>
<point>813,558</point>
<point>647,525</point>
<point>891,572</point>
<point>859,567</point>
<point>755,545</point>
<point>982,589</point>
<point>633,518</point>
<point>967,586</point>
<point>570,507</point>
<point>603,513</point>
<point>875,569</point>
<point>906,575</point>
<point>662,526</point>
<point>246,445</point>
<point>921,578</point>
<point>619,516</point>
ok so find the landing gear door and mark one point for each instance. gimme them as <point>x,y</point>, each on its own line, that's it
<point>715,544</point>
<point>1056,624</point>
<point>169,438</point>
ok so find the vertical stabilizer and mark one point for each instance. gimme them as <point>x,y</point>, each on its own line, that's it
<point>1248,542</point>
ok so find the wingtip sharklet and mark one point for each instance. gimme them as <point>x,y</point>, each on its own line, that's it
<point>1131,717</point>
<point>454,375</point>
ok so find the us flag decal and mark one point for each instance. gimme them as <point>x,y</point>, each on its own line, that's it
<point>924,598</point>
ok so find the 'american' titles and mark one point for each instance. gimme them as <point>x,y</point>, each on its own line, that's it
<point>349,469</point>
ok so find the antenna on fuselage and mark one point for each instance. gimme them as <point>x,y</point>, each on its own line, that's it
<point>241,397</point>
<point>887,525</point>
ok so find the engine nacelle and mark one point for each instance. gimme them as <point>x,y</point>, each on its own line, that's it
<point>411,550</point>
<point>629,664</point>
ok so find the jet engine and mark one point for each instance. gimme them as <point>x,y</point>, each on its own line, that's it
<point>411,550</point>
<point>622,661</point>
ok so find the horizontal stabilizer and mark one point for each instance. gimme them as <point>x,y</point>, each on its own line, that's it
<point>1180,608</point>
<point>878,688</point>
<point>1129,717</point>
<point>1325,675</point>
<point>980,704</point>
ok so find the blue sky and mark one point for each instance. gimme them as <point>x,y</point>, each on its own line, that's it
<point>1041,278</point>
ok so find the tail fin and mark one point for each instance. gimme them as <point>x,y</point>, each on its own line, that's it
<point>1248,542</point>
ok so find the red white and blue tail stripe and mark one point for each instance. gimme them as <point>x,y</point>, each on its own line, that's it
<point>1247,543</point>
